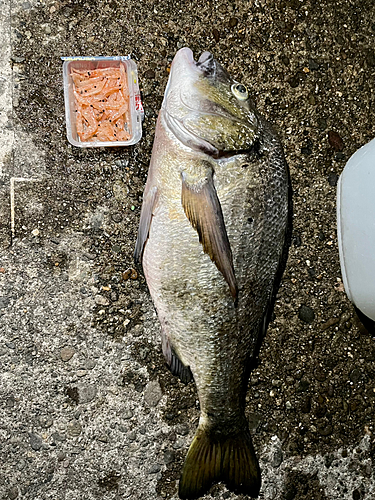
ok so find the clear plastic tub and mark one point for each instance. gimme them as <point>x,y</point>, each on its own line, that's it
<point>135,113</point>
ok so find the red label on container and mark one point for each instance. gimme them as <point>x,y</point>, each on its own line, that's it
<point>138,103</point>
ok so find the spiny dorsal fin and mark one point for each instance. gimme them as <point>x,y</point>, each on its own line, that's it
<point>202,207</point>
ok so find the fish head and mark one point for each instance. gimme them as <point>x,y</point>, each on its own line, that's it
<point>206,109</point>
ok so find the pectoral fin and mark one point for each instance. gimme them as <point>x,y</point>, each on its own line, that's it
<point>144,223</point>
<point>202,207</point>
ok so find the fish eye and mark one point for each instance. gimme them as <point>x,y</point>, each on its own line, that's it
<point>239,91</point>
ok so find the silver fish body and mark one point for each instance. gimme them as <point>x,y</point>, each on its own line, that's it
<point>213,241</point>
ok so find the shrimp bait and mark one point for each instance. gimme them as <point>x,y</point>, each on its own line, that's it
<point>102,104</point>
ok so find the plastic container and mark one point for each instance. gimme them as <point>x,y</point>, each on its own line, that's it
<point>356,228</point>
<point>136,112</point>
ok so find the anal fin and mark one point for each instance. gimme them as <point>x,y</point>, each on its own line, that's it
<point>174,363</point>
<point>178,368</point>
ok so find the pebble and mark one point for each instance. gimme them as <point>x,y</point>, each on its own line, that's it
<point>355,375</point>
<point>179,444</point>
<point>132,435</point>
<point>13,493</point>
<point>216,35</point>
<point>233,21</point>
<point>35,442</point>
<point>303,386</point>
<point>46,422</point>
<point>153,393</point>
<point>312,100</point>
<point>58,437</point>
<point>306,405</point>
<point>67,353</point>
<point>297,242</point>
<point>325,430</point>
<point>74,429</point>
<point>254,420</point>
<point>127,414</point>
<point>101,301</point>
<point>61,456</point>
<point>322,123</point>
<point>150,74</point>
<point>277,458</point>
<point>313,65</point>
<point>182,430</point>
<point>86,393</point>
<point>335,140</point>
<point>81,373</point>
<point>130,273</point>
<point>116,217</point>
<point>169,456</point>
<point>356,495</point>
<point>306,314</point>
<point>90,364</point>
<point>332,179</point>
<point>320,411</point>
<point>154,469</point>
<point>4,302</point>
<point>340,156</point>
<point>295,80</point>
<point>21,464</point>
<point>320,374</point>
<point>18,59</point>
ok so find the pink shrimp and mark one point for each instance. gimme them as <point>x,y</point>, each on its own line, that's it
<point>102,101</point>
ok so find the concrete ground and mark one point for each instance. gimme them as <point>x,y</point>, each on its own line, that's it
<point>88,409</point>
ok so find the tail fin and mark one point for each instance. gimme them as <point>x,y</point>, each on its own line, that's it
<point>214,458</point>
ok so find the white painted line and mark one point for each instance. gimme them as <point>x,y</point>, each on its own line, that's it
<point>13,180</point>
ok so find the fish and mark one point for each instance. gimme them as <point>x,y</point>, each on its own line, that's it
<point>213,240</point>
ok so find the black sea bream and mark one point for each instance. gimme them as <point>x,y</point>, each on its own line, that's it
<point>213,240</point>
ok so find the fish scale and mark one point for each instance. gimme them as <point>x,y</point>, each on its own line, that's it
<point>213,241</point>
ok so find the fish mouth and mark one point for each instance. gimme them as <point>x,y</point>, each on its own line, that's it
<point>205,64</point>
